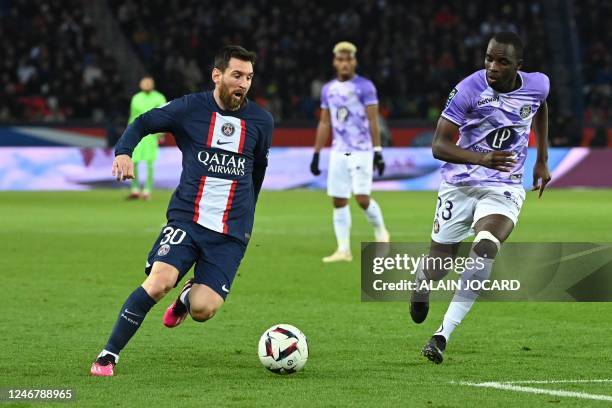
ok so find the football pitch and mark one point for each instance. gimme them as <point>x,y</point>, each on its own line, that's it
<point>70,259</point>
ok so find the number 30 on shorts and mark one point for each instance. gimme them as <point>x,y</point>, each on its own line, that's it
<point>172,236</point>
<point>446,212</point>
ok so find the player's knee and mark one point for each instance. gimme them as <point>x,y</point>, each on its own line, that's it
<point>363,201</point>
<point>204,312</point>
<point>485,249</point>
<point>340,202</point>
<point>158,288</point>
<point>486,245</point>
<point>160,281</point>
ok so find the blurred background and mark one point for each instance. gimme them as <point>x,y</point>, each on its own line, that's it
<point>69,69</point>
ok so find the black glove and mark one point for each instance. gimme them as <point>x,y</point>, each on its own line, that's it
<point>314,164</point>
<point>379,163</point>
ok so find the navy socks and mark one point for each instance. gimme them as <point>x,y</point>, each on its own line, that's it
<point>130,318</point>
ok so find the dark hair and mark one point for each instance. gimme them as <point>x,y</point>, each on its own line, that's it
<point>228,52</point>
<point>508,37</point>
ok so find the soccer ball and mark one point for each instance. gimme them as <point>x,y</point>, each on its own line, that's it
<point>283,349</point>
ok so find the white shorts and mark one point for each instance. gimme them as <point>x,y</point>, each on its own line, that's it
<point>460,207</point>
<point>350,172</point>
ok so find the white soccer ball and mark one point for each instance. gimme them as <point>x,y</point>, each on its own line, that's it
<point>283,349</point>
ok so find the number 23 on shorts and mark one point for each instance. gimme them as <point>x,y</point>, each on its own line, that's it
<point>444,209</point>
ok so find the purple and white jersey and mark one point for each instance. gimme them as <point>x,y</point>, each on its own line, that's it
<point>347,101</point>
<point>488,121</point>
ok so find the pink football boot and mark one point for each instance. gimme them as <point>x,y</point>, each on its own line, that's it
<point>103,366</point>
<point>177,311</point>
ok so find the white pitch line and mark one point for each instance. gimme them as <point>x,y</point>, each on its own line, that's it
<point>533,390</point>
<point>557,381</point>
<point>575,255</point>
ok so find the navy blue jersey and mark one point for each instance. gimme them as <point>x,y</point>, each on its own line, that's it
<point>224,159</point>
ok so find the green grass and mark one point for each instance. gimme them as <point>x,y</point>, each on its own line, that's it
<point>70,259</point>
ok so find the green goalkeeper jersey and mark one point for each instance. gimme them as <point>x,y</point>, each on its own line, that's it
<point>143,102</point>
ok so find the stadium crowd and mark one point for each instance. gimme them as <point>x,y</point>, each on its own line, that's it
<point>54,67</point>
<point>409,49</point>
<point>595,34</point>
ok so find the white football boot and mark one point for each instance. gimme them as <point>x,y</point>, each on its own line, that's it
<point>339,256</point>
<point>382,236</point>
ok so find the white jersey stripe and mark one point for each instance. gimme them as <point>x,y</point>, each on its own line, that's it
<point>228,133</point>
<point>196,209</point>
<point>213,203</point>
<point>214,199</point>
<point>228,206</point>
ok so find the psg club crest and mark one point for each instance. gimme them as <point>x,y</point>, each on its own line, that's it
<point>163,250</point>
<point>227,129</point>
<point>525,111</point>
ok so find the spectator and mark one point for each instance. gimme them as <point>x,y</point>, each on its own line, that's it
<point>415,52</point>
<point>53,67</point>
<point>409,49</point>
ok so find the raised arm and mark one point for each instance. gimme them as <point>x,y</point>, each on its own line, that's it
<point>541,175</point>
<point>162,119</point>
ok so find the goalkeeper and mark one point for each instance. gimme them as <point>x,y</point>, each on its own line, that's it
<point>147,150</point>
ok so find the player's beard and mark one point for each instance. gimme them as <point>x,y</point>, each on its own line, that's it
<point>230,102</point>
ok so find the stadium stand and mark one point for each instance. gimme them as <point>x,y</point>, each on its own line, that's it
<point>409,49</point>
<point>596,36</point>
<point>54,68</point>
<point>57,69</point>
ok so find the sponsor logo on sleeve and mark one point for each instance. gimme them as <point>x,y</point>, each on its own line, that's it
<point>451,95</point>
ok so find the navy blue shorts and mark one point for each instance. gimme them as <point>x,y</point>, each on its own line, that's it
<point>216,256</point>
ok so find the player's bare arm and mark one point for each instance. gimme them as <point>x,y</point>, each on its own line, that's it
<point>445,149</point>
<point>123,167</point>
<point>379,163</point>
<point>541,175</point>
<point>372,112</point>
<point>323,131</point>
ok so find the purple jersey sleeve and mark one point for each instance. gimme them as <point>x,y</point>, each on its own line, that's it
<point>324,100</point>
<point>545,82</point>
<point>369,96</point>
<point>458,104</point>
